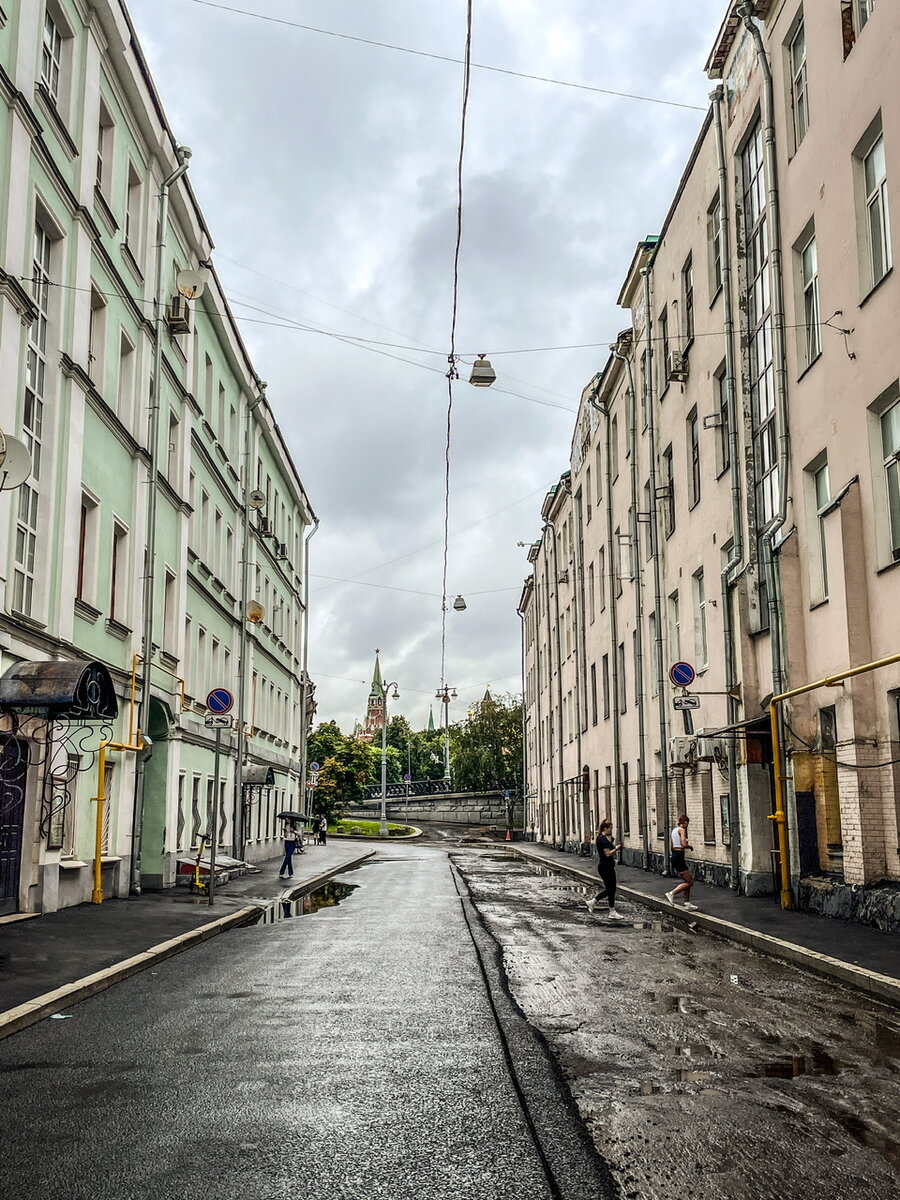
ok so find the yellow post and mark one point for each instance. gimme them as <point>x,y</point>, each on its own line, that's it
<point>100,799</point>
<point>778,816</point>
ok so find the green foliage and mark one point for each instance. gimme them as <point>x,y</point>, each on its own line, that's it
<point>418,751</point>
<point>486,749</point>
<point>345,769</point>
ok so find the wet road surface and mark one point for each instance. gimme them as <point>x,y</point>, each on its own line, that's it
<point>365,1049</point>
<point>699,1066</point>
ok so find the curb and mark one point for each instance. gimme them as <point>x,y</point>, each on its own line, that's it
<point>883,987</point>
<point>29,1013</point>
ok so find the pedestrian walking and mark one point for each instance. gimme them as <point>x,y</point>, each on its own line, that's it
<point>289,833</point>
<point>606,867</point>
<point>323,831</point>
<point>680,846</point>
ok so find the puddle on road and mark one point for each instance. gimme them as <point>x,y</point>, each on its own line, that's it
<point>817,1063</point>
<point>330,895</point>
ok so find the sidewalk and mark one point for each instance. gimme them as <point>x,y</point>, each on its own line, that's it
<point>48,962</point>
<point>849,953</point>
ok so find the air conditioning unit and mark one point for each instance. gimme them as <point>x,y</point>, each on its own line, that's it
<point>710,749</point>
<point>263,526</point>
<point>178,317</point>
<point>681,752</point>
<point>677,367</point>
<point>281,550</point>
<point>562,577</point>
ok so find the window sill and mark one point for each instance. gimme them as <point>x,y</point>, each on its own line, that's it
<point>117,629</point>
<point>875,286</point>
<point>101,204</point>
<point>814,604</point>
<point>809,366</point>
<point>888,567</point>
<point>48,107</point>
<point>716,294</point>
<point>128,255</point>
<point>29,622</point>
<point>71,864</point>
<point>86,611</point>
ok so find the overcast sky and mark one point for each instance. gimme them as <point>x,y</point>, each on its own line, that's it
<point>327,173</point>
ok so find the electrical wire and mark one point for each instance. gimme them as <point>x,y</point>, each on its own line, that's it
<point>349,37</point>
<point>452,372</point>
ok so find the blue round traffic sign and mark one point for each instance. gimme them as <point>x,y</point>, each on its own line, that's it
<point>682,674</point>
<point>314,766</point>
<point>219,700</point>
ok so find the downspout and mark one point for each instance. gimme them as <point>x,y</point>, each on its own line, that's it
<point>638,591</point>
<point>657,578</point>
<point>729,571</point>
<point>243,654</point>
<point>746,12</point>
<point>304,695</point>
<point>559,693</point>
<point>524,732</point>
<point>611,552</point>
<point>183,155</point>
<point>538,724</point>
<point>578,596</point>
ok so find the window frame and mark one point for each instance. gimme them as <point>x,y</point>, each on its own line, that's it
<point>798,82</point>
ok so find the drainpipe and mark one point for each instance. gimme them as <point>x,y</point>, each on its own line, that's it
<point>746,11</point>
<point>729,571</point>
<point>611,551</point>
<point>304,695</point>
<point>578,597</point>
<point>183,155</point>
<point>524,733</point>
<point>244,664</point>
<point>559,694</point>
<point>657,578</point>
<point>638,590</point>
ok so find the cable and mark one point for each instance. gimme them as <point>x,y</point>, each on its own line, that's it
<point>349,37</point>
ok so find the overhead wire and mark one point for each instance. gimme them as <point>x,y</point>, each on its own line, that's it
<point>349,37</point>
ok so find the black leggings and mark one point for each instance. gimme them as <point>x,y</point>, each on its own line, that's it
<point>608,879</point>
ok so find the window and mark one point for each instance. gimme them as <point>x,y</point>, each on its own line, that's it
<point>799,92</point>
<point>620,569</point>
<point>647,522</point>
<point>687,299</point>
<point>701,644</point>
<point>809,286</point>
<point>623,691</point>
<point>675,627</point>
<point>598,476</point>
<point>87,549</point>
<point>669,491</point>
<point>606,697</point>
<point>593,693</point>
<point>645,389</point>
<point>133,211</point>
<point>664,340</point>
<point>759,325</point>
<point>877,219</point>
<point>104,149</point>
<point>823,498</point>
<point>170,613</point>
<point>591,598</point>
<point>117,573</point>
<point>864,10</point>
<point>587,493</point>
<point>636,662</point>
<point>890,445</point>
<point>614,449</point>
<point>693,448</point>
<point>33,425</point>
<point>125,403</point>
<point>626,807</point>
<point>51,57</point>
<point>654,650</point>
<point>714,242</point>
<point>602,574</point>
<point>723,421</point>
<point>709,807</point>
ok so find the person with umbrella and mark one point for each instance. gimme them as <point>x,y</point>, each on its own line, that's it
<point>291,831</point>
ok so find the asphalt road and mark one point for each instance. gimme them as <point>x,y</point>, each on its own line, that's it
<point>363,1050</point>
<point>700,1067</point>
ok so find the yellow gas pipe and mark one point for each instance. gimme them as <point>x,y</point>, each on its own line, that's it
<point>787,900</point>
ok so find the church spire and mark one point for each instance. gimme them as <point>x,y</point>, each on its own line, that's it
<point>430,720</point>
<point>377,686</point>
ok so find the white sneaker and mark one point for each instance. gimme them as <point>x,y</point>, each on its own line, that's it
<point>590,905</point>
<point>692,907</point>
<point>615,915</point>
<point>670,896</point>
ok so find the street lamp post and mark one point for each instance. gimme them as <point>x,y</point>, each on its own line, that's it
<point>385,688</point>
<point>445,694</point>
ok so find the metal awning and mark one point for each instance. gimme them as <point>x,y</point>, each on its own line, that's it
<point>259,777</point>
<point>65,691</point>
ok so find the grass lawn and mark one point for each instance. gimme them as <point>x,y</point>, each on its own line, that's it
<point>355,828</point>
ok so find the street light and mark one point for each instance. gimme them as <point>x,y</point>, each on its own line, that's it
<point>445,695</point>
<point>385,688</point>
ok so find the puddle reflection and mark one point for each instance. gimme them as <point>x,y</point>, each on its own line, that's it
<point>328,896</point>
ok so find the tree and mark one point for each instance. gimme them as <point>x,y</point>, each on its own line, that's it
<point>419,752</point>
<point>345,768</point>
<point>486,748</point>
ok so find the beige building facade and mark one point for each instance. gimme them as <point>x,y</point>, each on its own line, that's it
<point>732,498</point>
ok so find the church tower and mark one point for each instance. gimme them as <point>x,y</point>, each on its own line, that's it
<point>375,711</point>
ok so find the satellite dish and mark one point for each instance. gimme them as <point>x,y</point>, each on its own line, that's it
<point>16,466</point>
<point>257,499</point>
<point>255,612</point>
<point>2,447</point>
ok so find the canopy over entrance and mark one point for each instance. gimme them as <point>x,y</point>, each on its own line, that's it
<point>64,691</point>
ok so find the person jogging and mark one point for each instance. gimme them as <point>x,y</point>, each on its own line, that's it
<point>606,867</point>
<point>680,845</point>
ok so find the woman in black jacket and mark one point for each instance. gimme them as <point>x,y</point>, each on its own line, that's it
<point>606,866</point>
